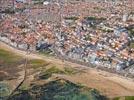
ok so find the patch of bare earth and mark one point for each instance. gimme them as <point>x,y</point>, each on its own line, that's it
<point>108,87</point>
<point>16,78</point>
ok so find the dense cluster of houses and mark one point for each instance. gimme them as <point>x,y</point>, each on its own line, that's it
<point>87,43</point>
<point>90,32</point>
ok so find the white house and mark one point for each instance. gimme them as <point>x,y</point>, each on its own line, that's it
<point>46,3</point>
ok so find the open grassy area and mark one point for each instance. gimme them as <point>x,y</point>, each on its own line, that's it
<point>48,72</point>
<point>124,98</point>
<point>132,45</point>
<point>70,70</point>
<point>8,57</point>
<point>9,63</point>
<point>37,63</point>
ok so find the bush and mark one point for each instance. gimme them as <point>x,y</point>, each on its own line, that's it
<point>4,90</point>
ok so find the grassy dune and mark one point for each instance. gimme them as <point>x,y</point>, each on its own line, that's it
<point>58,90</point>
<point>8,57</point>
